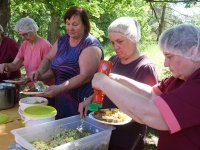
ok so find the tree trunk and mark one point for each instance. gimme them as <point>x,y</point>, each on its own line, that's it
<point>162,22</point>
<point>5,15</point>
<point>55,33</point>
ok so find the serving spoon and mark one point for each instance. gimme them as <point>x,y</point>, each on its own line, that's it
<point>39,85</point>
<point>81,127</point>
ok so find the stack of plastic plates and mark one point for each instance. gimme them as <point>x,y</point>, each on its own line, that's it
<point>3,118</point>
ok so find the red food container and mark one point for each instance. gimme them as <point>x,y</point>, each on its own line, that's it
<point>104,67</point>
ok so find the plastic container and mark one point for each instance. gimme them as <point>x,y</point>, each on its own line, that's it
<point>34,115</point>
<point>22,117</point>
<point>105,68</point>
<point>99,139</point>
<point>32,101</point>
<point>97,102</point>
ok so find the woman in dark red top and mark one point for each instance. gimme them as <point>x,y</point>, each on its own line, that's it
<point>8,50</point>
<point>124,33</point>
<point>172,106</point>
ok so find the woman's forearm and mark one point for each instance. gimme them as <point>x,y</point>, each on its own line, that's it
<point>138,87</point>
<point>44,66</point>
<point>75,82</point>
<point>48,75</point>
<point>133,104</point>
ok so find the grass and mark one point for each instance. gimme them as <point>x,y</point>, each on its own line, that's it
<point>156,55</point>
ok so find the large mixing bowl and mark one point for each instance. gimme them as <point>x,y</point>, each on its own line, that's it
<point>7,95</point>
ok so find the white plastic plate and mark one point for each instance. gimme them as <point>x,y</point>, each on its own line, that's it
<point>14,81</point>
<point>32,93</point>
<point>111,123</point>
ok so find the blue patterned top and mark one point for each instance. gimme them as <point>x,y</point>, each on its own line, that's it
<point>65,65</point>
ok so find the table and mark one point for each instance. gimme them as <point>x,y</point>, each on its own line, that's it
<point>14,122</point>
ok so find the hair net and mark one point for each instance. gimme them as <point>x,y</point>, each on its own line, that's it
<point>26,24</point>
<point>183,40</point>
<point>127,27</point>
<point>1,30</point>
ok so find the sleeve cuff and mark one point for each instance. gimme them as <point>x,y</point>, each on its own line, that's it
<point>167,114</point>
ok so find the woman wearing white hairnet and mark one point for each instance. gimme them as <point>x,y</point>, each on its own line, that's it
<point>31,52</point>
<point>172,106</point>
<point>124,33</point>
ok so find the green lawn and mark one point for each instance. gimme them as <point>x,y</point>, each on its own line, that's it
<point>156,55</point>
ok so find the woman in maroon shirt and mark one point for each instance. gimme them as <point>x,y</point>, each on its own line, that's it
<point>172,106</point>
<point>8,50</point>
<point>124,33</point>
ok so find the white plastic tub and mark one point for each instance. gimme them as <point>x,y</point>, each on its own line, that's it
<point>31,101</point>
<point>21,116</point>
<point>30,121</point>
<point>34,115</point>
<point>99,138</point>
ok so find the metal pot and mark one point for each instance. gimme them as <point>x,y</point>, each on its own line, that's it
<point>7,95</point>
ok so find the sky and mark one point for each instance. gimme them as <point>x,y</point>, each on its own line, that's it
<point>180,7</point>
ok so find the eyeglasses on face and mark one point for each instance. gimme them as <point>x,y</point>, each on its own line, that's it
<point>24,35</point>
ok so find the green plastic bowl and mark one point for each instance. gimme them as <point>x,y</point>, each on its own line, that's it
<point>40,111</point>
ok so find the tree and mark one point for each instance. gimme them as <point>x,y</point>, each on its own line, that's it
<point>153,17</point>
<point>5,15</point>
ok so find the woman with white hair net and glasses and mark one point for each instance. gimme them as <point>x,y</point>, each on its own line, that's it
<point>124,33</point>
<point>31,53</point>
<point>172,106</point>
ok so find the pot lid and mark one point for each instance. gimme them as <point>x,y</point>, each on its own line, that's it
<point>3,118</point>
<point>40,111</point>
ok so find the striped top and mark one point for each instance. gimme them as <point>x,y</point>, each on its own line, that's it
<point>65,65</point>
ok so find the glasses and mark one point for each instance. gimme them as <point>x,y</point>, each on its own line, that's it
<point>24,35</point>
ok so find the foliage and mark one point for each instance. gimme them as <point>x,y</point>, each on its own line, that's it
<point>101,14</point>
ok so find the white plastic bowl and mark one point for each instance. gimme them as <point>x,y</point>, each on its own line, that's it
<point>30,101</point>
<point>29,121</point>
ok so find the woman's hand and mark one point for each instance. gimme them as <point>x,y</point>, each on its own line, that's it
<point>82,108</point>
<point>51,91</point>
<point>97,80</point>
<point>114,76</point>
<point>35,75</point>
<point>2,67</point>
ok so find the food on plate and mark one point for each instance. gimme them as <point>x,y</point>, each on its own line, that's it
<point>18,79</point>
<point>110,115</point>
<point>62,138</point>
<point>38,87</point>
<point>37,102</point>
<point>28,89</point>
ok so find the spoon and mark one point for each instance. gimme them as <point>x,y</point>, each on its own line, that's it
<point>81,127</point>
<point>39,85</point>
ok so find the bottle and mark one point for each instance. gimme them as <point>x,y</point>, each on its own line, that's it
<point>104,67</point>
